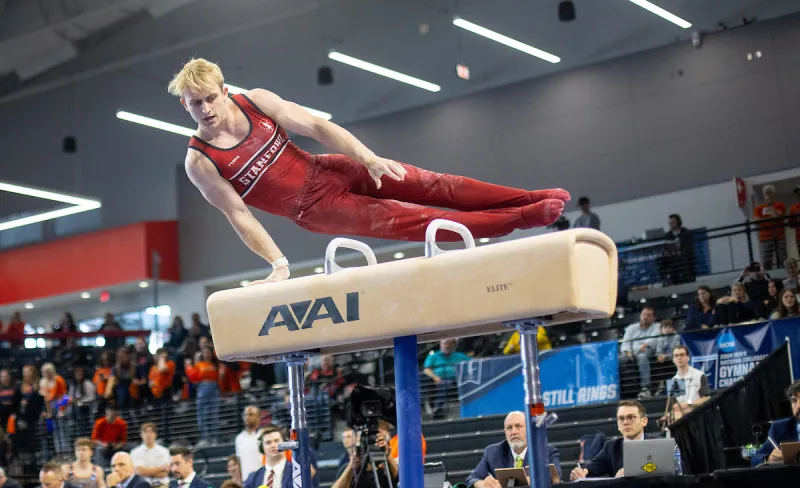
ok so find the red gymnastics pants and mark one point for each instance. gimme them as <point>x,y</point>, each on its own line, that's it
<point>338,196</point>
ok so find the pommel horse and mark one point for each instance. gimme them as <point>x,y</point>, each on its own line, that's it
<point>525,283</point>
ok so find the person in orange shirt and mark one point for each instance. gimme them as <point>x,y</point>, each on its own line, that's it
<point>385,428</point>
<point>53,389</point>
<point>109,434</point>
<point>205,376</point>
<point>160,377</point>
<point>771,236</point>
<point>101,377</point>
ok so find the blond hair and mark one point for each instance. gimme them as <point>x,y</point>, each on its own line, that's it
<point>196,75</point>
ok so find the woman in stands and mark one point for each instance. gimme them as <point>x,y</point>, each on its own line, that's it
<point>774,290</point>
<point>53,389</point>
<point>205,375</point>
<point>788,306</point>
<point>736,307</point>
<point>82,473</point>
<point>102,375</point>
<point>701,313</point>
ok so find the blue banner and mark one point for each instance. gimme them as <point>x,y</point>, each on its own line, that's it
<point>570,376</point>
<point>728,354</point>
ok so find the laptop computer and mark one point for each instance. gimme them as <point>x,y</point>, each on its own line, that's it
<point>648,457</point>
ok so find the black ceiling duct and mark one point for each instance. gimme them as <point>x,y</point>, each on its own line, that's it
<point>566,11</point>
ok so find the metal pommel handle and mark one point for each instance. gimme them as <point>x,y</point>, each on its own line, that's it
<point>431,249</point>
<point>330,253</point>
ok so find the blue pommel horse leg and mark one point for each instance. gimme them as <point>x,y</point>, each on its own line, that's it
<point>409,417</point>
<point>536,419</point>
<point>299,442</point>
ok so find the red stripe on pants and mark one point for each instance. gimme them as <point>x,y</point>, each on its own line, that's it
<point>341,198</point>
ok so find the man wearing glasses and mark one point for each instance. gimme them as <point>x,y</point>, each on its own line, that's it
<point>688,389</point>
<point>631,421</point>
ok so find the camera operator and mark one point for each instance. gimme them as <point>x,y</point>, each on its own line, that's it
<point>359,473</point>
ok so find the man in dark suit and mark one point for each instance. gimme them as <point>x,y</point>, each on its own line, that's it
<point>785,430</point>
<point>277,472</point>
<point>631,421</point>
<point>510,453</point>
<point>122,467</point>
<point>182,468</point>
<point>51,476</point>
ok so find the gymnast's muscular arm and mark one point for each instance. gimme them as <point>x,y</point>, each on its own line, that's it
<point>295,118</point>
<point>221,194</point>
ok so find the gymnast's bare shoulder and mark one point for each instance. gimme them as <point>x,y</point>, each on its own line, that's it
<point>214,188</point>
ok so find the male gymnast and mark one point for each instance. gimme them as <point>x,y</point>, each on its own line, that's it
<point>241,155</point>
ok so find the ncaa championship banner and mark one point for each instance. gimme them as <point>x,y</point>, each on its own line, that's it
<point>570,376</point>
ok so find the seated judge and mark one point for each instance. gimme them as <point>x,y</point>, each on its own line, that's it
<point>277,470</point>
<point>784,430</point>
<point>631,421</point>
<point>511,453</point>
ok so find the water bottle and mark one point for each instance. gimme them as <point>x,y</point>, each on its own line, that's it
<point>678,462</point>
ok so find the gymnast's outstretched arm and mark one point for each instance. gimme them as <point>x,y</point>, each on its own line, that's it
<point>296,119</point>
<point>221,194</point>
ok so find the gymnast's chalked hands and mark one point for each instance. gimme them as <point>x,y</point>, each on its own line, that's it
<point>382,166</point>
<point>278,274</point>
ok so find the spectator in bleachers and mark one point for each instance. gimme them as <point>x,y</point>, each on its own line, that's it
<point>689,387</point>
<point>140,388</point>
<point>274,472</point>
<point>102,375</point>
<point>82,395</point>
<point>787,307</point>
<point>791,268</point>
<point>111,325</point>
<point>755,281</point>
<point>784,430</point>
<point>771,235</point>
<point>82,473</point>
<point>510,453</point>
<point>542,340</point>
<point>9,397</point>
<point>205,375</point>
<point>53,389</point>
<point>348,442</point>
<point>151,460</point>
<point>110,433</point>
<point>587,218</point>
<point>385,429</point>
<point>160,378</point>
<point>182,469</point>
<point>51,476</point>
<point>631,421</point>
<point>247,443</point>
<point>66,324</point>
<point>122,467</point>
<point>677,265</point>
<point>442,368</point>
<point>119,385</point>
<point>666,342</point>
<point>737,307</point>
<point>639,344</point>
<point>234,468</point>
<point>794,211</point>
<point>29,414</point>
<point>772,301</point>
<point>701,314</point>
<point>6,482</point>
<point>16,327</point>
<point>177,335</point>
<point>199,329</point>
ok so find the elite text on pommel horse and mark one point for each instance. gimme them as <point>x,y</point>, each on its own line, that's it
<point>525,283</point>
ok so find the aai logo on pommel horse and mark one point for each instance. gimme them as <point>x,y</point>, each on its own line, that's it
<point>291,315</point>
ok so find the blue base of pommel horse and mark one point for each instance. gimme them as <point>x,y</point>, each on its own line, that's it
<point>491,288</point>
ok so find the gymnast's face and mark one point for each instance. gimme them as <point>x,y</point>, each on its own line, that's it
<point>207,106</point>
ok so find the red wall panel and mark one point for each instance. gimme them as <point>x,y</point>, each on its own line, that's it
<point>92,260</point>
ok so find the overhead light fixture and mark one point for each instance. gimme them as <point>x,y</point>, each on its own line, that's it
<point>505,40</point>
<point>79,204</point>
<point>662,13</point>
<point>86,295</point>
<point>319,269</point>
<point>319,113</point>
<point>143,284</point>
<point>399,255</point>
<point>29,305</point>
<point>484,240</point>
<point>380,70</point>
<point>155,123</point>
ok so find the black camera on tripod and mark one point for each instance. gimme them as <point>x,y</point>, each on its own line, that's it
<point>367,407</point>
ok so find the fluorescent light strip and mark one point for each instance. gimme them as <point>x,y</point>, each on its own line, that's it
<point>318,113</point>
<point>380,70</point>
<point>79,205</point>
<point>662,13</point>
<point>512,43</point>
<point>156,124</point>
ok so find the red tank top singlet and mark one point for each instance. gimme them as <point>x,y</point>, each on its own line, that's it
<point>266,148</point>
